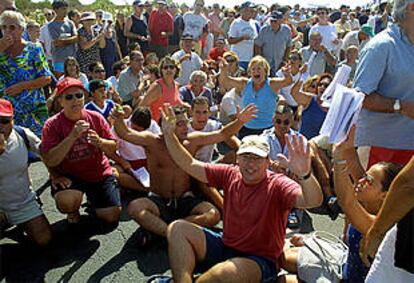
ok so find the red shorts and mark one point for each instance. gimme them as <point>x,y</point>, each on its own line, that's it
<point>400,156</point>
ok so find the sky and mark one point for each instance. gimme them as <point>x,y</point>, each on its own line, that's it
<point>231,3</point>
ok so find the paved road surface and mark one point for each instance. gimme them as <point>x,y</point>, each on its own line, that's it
<point>84,254</point>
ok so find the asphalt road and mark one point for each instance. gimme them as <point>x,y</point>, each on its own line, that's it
<point>84,254</point>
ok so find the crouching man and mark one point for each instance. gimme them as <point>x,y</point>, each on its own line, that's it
<point>256,205</point>
<point>73,145</point>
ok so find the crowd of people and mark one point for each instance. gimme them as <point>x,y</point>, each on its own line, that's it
<point>214,114</point>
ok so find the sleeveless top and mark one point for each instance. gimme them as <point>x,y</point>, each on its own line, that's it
<point>355,270</point>
<point>265,100</point>
<point>139,27</point>
<point>169,95</point>
<point>108,54</point>
<point>312,119</point>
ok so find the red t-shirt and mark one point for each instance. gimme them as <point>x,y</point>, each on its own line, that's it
<point>84,161</point>
<point>215,53</point>
<point>254,217</point>
<point>159,22</point>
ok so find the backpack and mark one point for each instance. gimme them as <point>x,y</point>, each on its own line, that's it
<point>31,156</point>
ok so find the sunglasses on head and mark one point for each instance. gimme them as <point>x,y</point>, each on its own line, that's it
<point>171,67</point>
<point>284,122</point>
<point>5,121</point>
<point>71,96</point>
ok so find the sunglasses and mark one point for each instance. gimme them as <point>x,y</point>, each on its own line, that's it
<point>5,121</point>
<point>321,13</point>
<point>324,85</point>
<point>99,71</point>
<point>284,122</point>
<point>231,60</point>
<point>9,27</point>
<point>294,58</point>
<point>171,67</point>
<point>78,95</point>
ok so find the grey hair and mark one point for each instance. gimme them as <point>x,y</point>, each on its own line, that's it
<point>198,73</point>
<point>13,15</point>
<point>399,11</point>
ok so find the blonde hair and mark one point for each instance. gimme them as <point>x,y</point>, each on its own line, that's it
<point>231,54</point>
<point>261,61</point>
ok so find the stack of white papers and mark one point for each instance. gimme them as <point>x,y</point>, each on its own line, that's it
<point>142,175</point>
<point>343,113</point>
<point>341,78</point>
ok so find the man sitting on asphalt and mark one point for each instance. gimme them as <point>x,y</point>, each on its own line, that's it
<point>170,195</point>
<point>73,146</point>
<point>17,200</point>
<point>256,205</point>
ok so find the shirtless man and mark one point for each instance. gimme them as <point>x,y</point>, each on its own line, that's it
<point>171,197</point>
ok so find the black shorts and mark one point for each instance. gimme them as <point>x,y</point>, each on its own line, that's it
<point>172,209</point>
<point>101,194</point>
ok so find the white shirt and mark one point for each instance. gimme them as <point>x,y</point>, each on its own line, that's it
<point>351,38</point>
<point>194,24</point>
<point>244,49</point>
<point>285,92</point>
<point>328,33</point>
<point>205,153</point>
<point>187,66</point>
<point>228,106</point>
<point>130,151</point>
<point>47,41</point>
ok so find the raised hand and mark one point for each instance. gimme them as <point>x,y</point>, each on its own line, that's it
<point>247,114</point>
<point>168,119</point>
<point>80,127</point>
<point>347,144</point>
<point>299,161</point>
<point>117,113</point>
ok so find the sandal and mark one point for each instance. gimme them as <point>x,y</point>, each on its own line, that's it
<point>73,218</point>
<point>159,279</point>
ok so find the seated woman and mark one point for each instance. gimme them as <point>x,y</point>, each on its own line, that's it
<point>360,200</point>
<point>313,113</point>
<point>195,88</point>
<point>259,90</point>
<point>72,69</point>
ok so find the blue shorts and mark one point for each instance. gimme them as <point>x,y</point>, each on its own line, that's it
<point>59,67</point>
<point>217,252</point>
<point>102,194</point>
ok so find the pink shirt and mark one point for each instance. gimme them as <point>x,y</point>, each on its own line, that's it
<point>84,161</point>
<point>169,95</point>
<point>254,217</point>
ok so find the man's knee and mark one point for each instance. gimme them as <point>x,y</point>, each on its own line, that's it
<point>140,208</point>
<point>177,228</point>
<point>68,200</point>
<point>213,217</point>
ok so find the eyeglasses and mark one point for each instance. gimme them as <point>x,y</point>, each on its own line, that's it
<point>5,121</point>
<point>9,27</point>
<point>99,71</point>
<point>284,122</point>
<point>78,95</point>
<point>231,60</point>
<point>321,13</point>
<point>294,58</point>
<point>171,67</point>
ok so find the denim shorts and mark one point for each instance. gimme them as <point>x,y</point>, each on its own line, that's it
<point>27,212</point>
<point>217,252</point>
<point>101,194</point>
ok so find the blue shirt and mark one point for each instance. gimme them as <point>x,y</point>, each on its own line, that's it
<point>265,100</point>
<point>274,143</point>
<point>109,104</point>
<point>386,67</point>
<point>312,119</point>
<point>355,270</point>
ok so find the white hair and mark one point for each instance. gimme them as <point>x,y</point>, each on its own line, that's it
<point>13,15</point>
<point>198,73</point>
<point>400,9</point>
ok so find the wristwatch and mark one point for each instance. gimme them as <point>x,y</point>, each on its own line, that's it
<point>397,106</point>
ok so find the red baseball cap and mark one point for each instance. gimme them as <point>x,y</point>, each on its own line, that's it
<point>6,108</point>
<point>68,82</point>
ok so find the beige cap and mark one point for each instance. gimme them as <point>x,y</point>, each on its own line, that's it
<point>254,144</point>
